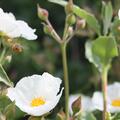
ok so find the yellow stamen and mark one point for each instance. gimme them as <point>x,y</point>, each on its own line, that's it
<point>116,103</point>
<point>37,102</point>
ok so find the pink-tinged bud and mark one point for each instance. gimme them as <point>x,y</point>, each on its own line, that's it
<point>42,13</point>
<point>76,105</point>
<point>81,23</point>
<point>71,19</point>
<point>17,48</point>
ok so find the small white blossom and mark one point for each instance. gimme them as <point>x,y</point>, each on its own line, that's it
<point>13,28</point>
<point>86,103</point>
<point>113,98</point>
<point>36,94</point>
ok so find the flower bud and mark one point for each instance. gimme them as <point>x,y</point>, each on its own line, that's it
<point>17,48</point>
<point>76,105</point>
<point>47,29</point>
<point>8,58</point>
<point>71,19</point>
<point>69,8</point>
<point>81,24</point>
<point>42,13</point>
<point>70,31</point>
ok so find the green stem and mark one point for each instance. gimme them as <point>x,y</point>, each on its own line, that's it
<point>2,55</point>
<point>7,81</point>
<point>66,80</point>
<point>104,90</point>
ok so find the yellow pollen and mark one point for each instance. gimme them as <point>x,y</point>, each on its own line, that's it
<point>37,102</point>
<point>116,103</point>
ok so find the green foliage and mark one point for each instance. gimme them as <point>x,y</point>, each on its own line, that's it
<point>90,19</point>
<point>115,29</point>
<point>101,51</point>
<point>86,116</point>
<point>4,78</point>
<point>107,13</point>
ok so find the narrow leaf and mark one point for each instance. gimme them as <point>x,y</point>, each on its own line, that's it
<point>107,13</point>
<point>4,78</point>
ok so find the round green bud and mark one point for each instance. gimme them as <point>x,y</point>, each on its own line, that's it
<point>47,29</point>
<point>71,19</point>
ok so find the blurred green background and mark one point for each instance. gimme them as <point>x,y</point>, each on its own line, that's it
<point>44,53</point>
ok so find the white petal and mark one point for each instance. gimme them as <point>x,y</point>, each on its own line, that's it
<point>15,28</point>
<point>97,100</point>
<point>52,84</point>
<point>119,13</point>
<point>26,31</point>
<point>9,28</point>
<point>39,111</point>
<point>113,91</point>
<point>34,86</point>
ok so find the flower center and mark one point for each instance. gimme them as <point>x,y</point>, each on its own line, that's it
<point>116,103</point>
<point>37,102</point>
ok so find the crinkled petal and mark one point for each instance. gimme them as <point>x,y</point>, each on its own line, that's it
<point>36,86</point>
<point>15,28</point>
<point>39,111</point>
<point>97,100</point>
<point>26,31</point>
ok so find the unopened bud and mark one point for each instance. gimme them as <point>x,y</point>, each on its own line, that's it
<point>76,105</point>
<point>71,19</point>
<point>119,28</point>
<point>69,8</point>
<point>81,24</point>
<point>8,58</point>
<point>47,29</point>
<point>42,13</point>
<point>70,30</point>
<point>17,48</point>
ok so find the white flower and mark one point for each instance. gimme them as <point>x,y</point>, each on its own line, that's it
<point>36,94</point>
<point>119,13</point>
<point>113,98</point>
<point>86,103</point>
<point>13,28</point>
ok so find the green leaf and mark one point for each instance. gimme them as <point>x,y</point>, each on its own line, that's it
<point>4,78</point>
<point>87,116</point>
<point>107,13</point>
<point>90,18</point>
<point>12,112</point>
<point>116,29</point>
<point>4,101</point>
<point>101,51</point>
<point>116,116</point>
<point>36,118</point>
